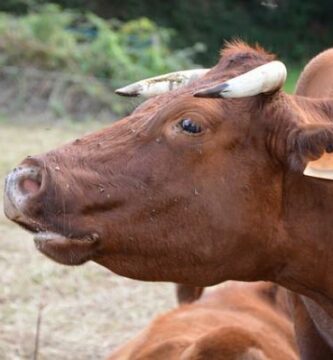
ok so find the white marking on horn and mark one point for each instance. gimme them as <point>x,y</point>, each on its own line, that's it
<point>263,79</point>
<point>160,84</point>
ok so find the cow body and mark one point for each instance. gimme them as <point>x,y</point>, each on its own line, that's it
<point>233,321</point>
<point>192,190</point>
<point>314,326</point>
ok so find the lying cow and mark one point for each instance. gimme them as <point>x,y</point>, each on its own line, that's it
<point>197,189</point>
<point>233,322</point>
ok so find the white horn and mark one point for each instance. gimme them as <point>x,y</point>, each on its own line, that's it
<point>263,79</point>
<point>160,84</point>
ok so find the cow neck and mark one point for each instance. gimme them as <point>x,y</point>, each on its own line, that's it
<point>307,207</point>
<point>307,213</point>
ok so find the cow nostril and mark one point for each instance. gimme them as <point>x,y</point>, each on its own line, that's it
<point>24,181</point>
<point>29,186</point>
<point>21,186</point>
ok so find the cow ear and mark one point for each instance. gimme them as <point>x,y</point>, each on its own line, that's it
<point>309,147</point>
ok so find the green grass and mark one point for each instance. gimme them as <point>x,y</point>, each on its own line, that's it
<point>293,74</point>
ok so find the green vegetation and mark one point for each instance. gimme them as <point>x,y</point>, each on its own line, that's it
<point>294,29</point>
<point>88,57</point>
<point>79,58</point>
<point>293,74</point>
<point>88,45</point>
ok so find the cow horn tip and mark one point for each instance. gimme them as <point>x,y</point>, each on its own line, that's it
<point>214,92</point>
<point>123,92</point>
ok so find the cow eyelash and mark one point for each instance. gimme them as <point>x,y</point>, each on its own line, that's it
<point>190,126</point>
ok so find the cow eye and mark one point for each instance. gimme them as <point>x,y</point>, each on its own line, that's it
<point>190,126</point>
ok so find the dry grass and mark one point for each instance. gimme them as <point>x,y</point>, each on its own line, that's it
<point>85,311</point>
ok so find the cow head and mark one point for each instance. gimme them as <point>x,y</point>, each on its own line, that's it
<point>186,189</point>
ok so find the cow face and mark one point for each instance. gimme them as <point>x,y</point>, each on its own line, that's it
<point>185,189</point>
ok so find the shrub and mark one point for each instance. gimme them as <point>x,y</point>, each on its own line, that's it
<point>86,44</point>
<point>81,46</point>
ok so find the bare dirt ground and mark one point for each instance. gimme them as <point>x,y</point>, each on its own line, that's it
<point>86,310</point>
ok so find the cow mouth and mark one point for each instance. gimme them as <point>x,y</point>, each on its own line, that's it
<point>49,236</point>
<point>64,249</point>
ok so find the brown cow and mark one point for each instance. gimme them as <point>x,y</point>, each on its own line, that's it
<point>235,321</point>
<point>316,78</point>
<point>313,325</point>
<point>197,190</point>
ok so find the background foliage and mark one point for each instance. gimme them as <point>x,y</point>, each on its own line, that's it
<point>295,29</point>
<point>84,43</point>
<point>81,58</point>
<point>104,44</point>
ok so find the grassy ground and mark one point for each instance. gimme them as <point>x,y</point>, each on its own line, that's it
<point>86,310</point>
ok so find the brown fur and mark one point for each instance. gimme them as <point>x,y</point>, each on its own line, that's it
<point>316,78</point>
<point>229,203</point>
<point>314,327</point>
<point>188,293</point>
<point>236,321</point>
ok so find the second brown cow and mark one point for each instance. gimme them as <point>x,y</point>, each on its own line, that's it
<point>236,321</point>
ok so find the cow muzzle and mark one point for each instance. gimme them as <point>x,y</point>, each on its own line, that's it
<point>24,199</point>
<point>22,185</point>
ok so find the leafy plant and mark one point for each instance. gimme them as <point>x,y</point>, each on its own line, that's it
<point>89,45</point>
<point>90,54</point>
